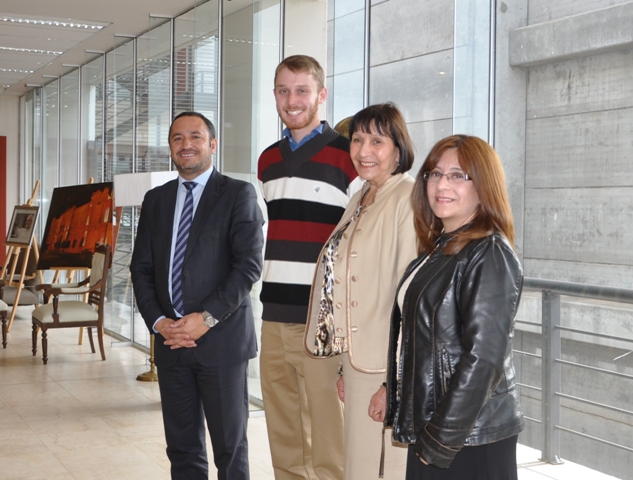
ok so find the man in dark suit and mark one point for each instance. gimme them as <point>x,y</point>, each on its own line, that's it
<point>197,253</point>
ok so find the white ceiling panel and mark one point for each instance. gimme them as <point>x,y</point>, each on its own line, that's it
<point>118,17</point>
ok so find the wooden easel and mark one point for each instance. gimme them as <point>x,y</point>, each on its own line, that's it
<point>12,260</point>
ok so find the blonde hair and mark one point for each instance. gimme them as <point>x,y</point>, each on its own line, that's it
<point>303,64</point>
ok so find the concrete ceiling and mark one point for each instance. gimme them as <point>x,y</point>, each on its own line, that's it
<point>35,51</point>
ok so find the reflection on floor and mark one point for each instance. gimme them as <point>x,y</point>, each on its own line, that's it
<point>81,418</point>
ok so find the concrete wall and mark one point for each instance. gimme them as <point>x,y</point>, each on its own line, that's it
<point>564,113</point>
<point>579,125</point>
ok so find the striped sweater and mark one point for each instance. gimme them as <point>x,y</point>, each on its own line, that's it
<point>306,192</point>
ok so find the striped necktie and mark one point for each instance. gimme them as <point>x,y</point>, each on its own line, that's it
<point>179,250</point>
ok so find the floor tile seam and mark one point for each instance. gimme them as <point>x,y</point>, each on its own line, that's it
<point>79,470</point>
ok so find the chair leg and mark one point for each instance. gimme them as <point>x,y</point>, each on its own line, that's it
<point>100,337</point>
<point>92,345</point>
<point>34,339</point>
<point>44,346</point>
<point>4,329</point>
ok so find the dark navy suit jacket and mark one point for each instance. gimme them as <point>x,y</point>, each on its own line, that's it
<point>222,261</point>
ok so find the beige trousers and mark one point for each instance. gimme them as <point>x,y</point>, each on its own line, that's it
<point>303,413</point>
<point>363,436</point>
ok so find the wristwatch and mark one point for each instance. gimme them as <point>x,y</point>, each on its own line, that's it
<point>209,320</point>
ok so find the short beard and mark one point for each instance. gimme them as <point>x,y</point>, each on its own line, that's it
<point>196,169</point>
<point>312,113</point>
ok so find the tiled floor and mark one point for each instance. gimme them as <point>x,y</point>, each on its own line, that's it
<point>81,418</point>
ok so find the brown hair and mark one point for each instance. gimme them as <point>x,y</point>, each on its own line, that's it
<point>386,120</point>
<point>303,64</point>
<point>480,161</point>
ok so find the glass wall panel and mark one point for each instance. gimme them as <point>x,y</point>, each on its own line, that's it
<point>153,108</point>
<point>346,62</point>
<point>471,98</point>
<point>120,110</point>
<point>92,121</point>
<point>50,145</point>
<point>119,153</point>
<point>250,122</point>
<point>69,151</point>
<point>196,65</point>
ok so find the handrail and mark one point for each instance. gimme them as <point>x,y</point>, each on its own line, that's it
<point>551,357</point>
<point>595,292</point>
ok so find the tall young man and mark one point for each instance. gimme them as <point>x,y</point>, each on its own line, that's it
<point>306,181</point>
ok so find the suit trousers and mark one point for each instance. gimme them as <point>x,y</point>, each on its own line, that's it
<point>304,415</point>
<point>363,436</point>
<point>191,392</point>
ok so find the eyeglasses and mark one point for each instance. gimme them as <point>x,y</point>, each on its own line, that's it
<point>452,177</point>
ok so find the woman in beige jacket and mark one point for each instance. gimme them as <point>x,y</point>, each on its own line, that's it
<point>356,279</point>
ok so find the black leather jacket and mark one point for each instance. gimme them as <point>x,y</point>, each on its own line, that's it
<point>457,383</point>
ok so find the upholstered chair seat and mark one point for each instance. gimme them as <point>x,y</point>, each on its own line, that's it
<point>75,313</point>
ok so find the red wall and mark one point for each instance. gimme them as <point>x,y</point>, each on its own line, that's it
<point>3,196</point>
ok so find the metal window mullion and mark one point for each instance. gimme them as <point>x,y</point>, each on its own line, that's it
<point>104,79</point>
<point>282,51</point>
<point>172,69</point>
<point>134,116</point>
<point>491,74</point>
<point>59,131</point>
<point>79,124</point>
<point>220,126</point>
<point>366,52</point>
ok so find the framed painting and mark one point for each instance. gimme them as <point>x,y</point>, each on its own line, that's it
<point>79,219</point>
<point>22,226</point>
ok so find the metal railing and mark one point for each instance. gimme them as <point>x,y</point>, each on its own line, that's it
<point>551,359</point>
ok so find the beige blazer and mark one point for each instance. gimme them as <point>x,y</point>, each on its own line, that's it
<point>372,256</point>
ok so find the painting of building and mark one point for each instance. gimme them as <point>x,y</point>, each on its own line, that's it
<point>79,219</point>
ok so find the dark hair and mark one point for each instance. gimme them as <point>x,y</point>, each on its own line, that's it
<point>386,120</point>
<point>303,64</point>
<point>206,121</point>
<point>480,161</point>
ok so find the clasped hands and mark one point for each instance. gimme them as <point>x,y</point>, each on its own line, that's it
<point>182,332</point>
<point>377,408</point>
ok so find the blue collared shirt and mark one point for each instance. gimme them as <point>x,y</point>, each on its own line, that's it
<point>294,144</point>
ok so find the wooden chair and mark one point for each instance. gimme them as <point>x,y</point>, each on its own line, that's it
<point>75,313</point>
<point>17,287</point>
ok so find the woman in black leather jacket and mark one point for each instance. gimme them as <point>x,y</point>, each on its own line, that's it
<point>451,391</point>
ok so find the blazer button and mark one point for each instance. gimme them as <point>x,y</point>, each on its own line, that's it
<point>353,254</point>
<point>339,330</point>
<point>354,278</point>
<point>345,235</point>
<point>354,329</point>
<point>354,303</point>
<point>339,305</point>
<point>337,280</point>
